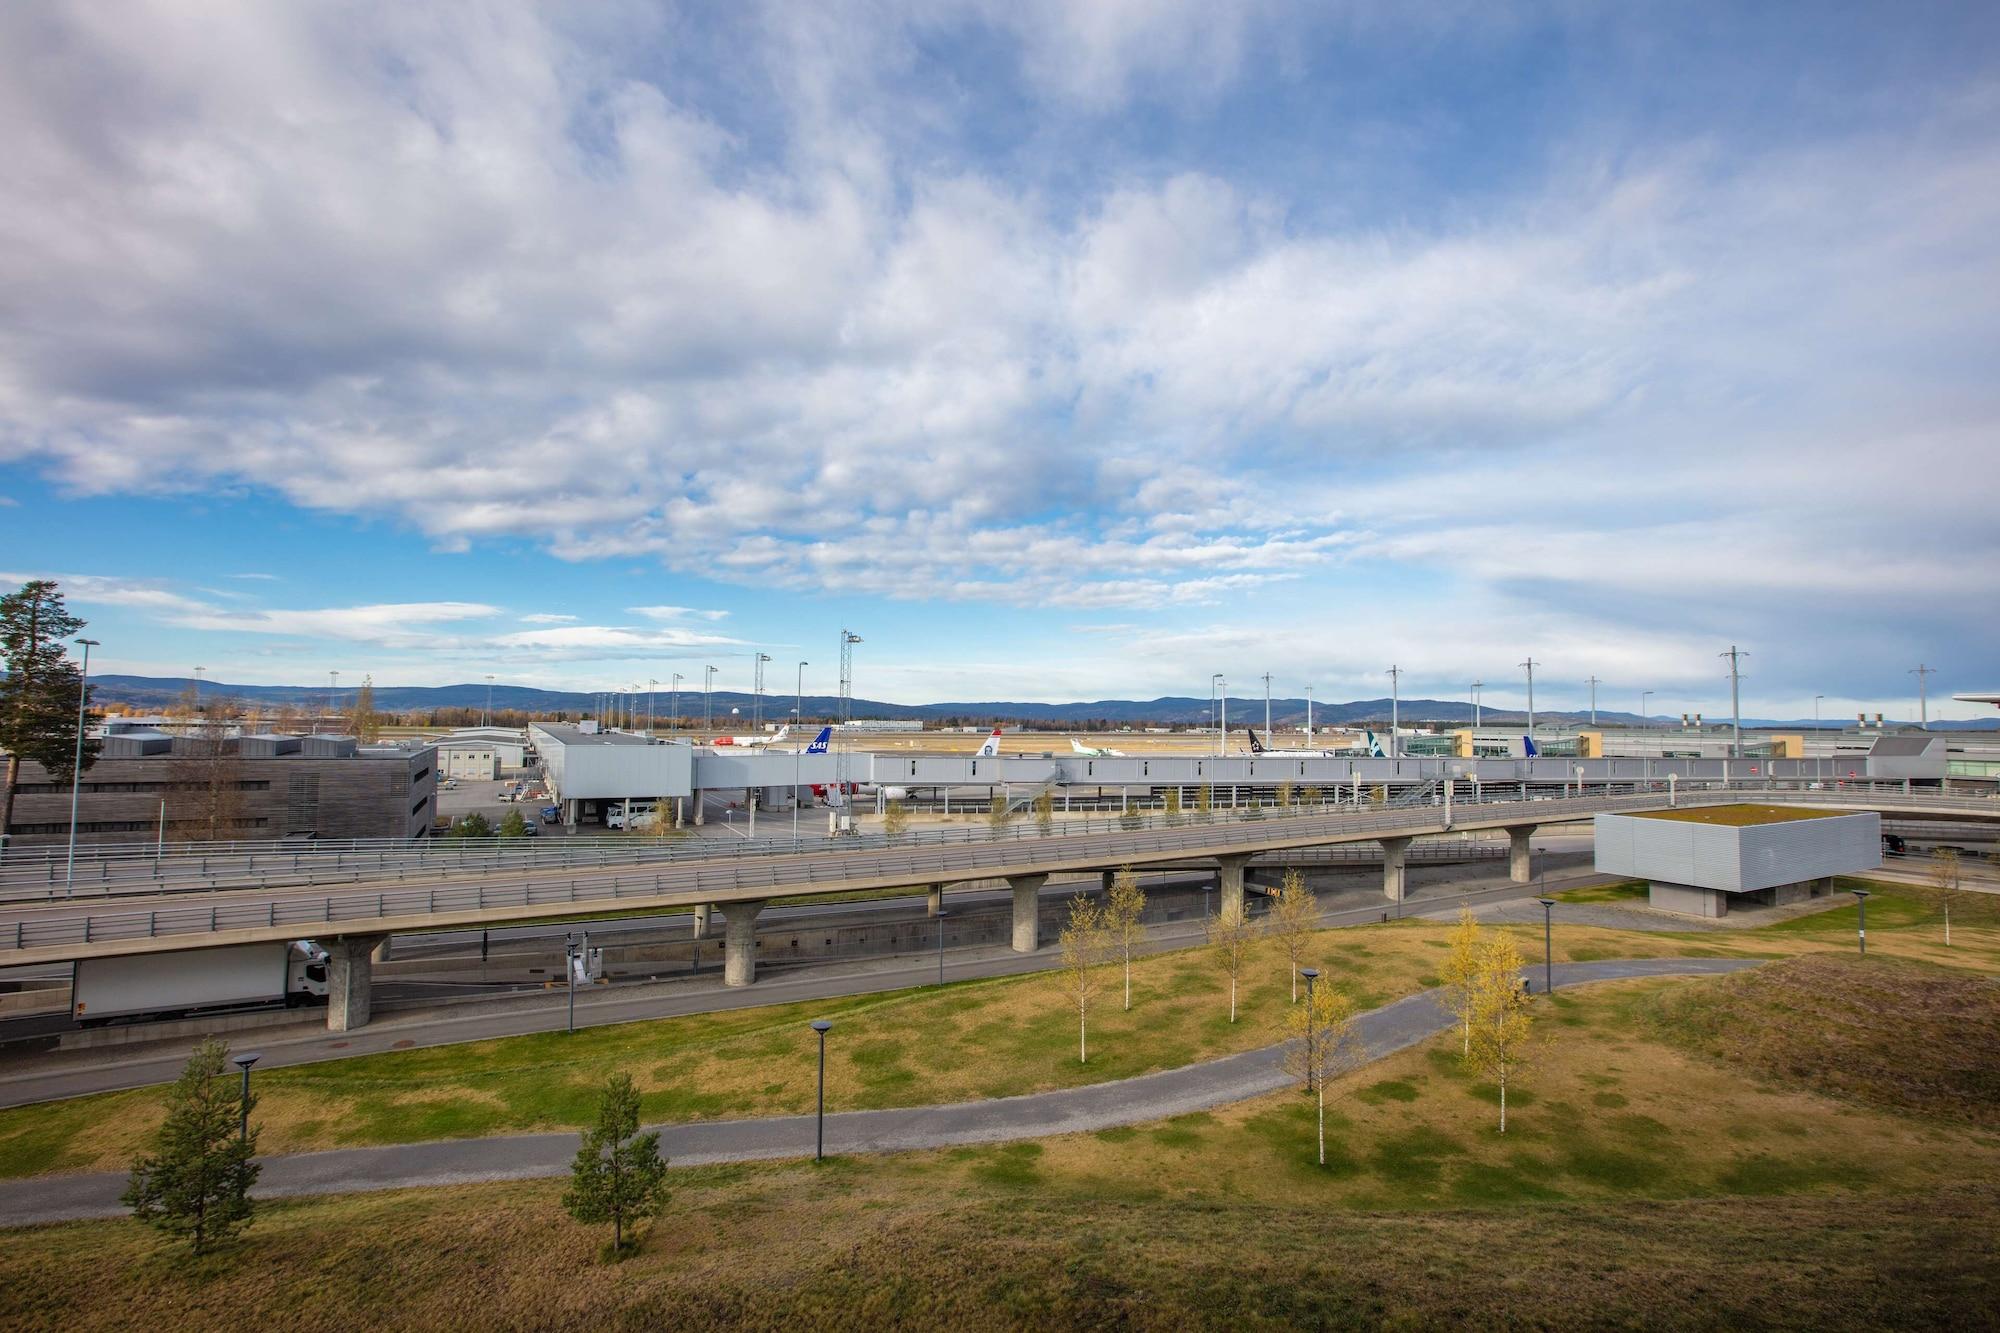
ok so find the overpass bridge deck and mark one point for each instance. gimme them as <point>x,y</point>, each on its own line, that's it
<point>63,931</point>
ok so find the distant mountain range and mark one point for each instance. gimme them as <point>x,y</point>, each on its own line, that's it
<point>160,692</point>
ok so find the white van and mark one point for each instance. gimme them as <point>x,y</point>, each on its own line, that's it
<point>643,814</point>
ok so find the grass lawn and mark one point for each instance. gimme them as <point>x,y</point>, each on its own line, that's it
<point>1638,1185</point>
<point>922,1046</point>
<point>1740,816</point>
<point>1625,891</point>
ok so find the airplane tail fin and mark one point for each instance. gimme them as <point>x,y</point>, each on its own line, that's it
<point>1528,743</point>
<point>820,741</point>
<point>1375,750</point>
<point>992,745</point>
<point>1256,746</point>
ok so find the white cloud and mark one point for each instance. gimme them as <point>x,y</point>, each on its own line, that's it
<point>546,618</point>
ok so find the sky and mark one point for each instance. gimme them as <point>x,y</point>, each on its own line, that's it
<point>1060,350</point>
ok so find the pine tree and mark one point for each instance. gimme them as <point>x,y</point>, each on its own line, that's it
<point>619,1175</point>
<point>197,1181</point>
<point>38,696</point>
<point>473,825</point>
<point>1123,907</point>
<point>1294,918</point>
<point>513,825</point>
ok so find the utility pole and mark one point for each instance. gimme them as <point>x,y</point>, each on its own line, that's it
<point>1530,665</point>
<point>1395,706</point>
<point>1816,699</point>
<point>1309,714</point>
<point>487,714</point>
<point>674,705</point>
<point>799,699</point>
<point>651,685</point>
<point>332,700</point>
<point>708,699</point>
<point>1267,708</point>
<point>1477,686</point>
<point>1923,698</point>
<point>1643,696</point>
<point>1735,701</point>
<point>1593,682</point>
<point>757,694</point>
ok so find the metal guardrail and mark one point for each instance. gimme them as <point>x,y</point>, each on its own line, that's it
<point>966,856</point>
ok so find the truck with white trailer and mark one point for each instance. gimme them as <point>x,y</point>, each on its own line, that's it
<point>197,981</point>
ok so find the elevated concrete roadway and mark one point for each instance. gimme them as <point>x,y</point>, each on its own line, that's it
<point>348,918</point>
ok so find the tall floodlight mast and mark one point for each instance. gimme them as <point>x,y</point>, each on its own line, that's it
<point>845,715</point>
<point>1529,665</point>
<point>1395,706</point>
<point>1735,701</point>
<point>1923,696</point>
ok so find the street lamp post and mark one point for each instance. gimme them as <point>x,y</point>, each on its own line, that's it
<point>674,705</point>
<point>1477,686</point>
<point>942,914</point>
<point>821,1026</point>
<point>1548,941</point>
<point>1220,695</point>
<point>1861,902</point>
<point>1529,666</point>
<point>707,699</point>
<point>486,713</point>
<point>1643,696</point>
<point>243,1062</point>
<point>1395,706</point>
<point>1311,974</point>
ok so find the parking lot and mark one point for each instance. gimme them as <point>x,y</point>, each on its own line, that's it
<point>469,797</point>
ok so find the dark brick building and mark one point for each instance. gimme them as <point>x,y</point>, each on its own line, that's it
<point>277,786</point>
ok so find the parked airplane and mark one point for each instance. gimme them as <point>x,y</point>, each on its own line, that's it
<point>1993,699</point>
<point>1094,752</point>
<point>820,790</point>
<point>746,741</point>
<point>1262,751</point>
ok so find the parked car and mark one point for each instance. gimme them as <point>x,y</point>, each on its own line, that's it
<point>552,814</point>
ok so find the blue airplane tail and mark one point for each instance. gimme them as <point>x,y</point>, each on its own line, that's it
<point>1529,743</point>
<point>820,741</point>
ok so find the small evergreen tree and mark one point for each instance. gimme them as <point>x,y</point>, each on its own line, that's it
<point>473,825</point>
<point>512,826</point>
<point>619,1175</point>
<point>1172,806</point>
<point>196,1183</point>
<point>1045,812</point>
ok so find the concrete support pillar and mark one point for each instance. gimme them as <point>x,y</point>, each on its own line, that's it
<point>700,816</point>
<point>1229,881</point>
<point>1104,878</point>
<point>1027,911</point>
<point>348,976</point>
<point>382,953</point>
<point>1520,854</point>
<point>739,942</point>
<point>1395,856</point>
<point>701,911</point>
<point>936,903</point>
